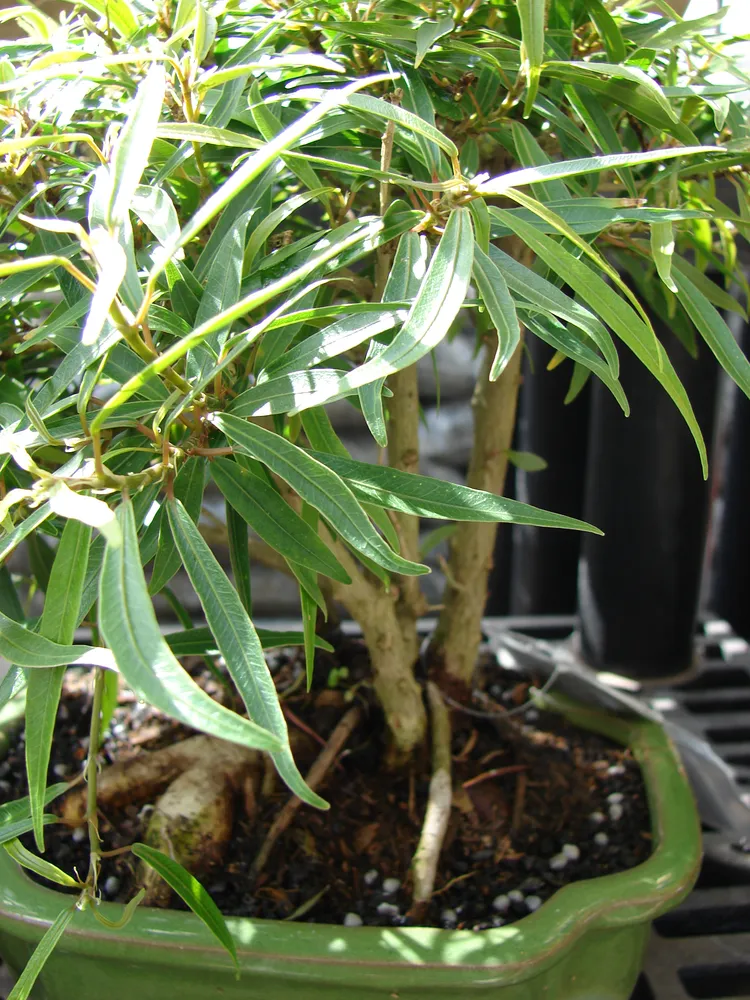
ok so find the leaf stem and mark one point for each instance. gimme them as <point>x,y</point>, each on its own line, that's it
<point>91,774</point>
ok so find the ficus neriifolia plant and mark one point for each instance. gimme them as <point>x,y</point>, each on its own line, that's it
<point>217,219</point>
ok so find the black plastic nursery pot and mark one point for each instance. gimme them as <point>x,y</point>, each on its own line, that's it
<point>638,586</point>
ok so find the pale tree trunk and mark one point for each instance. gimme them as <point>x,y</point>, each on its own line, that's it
<point>455,645</point>
<point>403,454</point>
<point>392,654</point>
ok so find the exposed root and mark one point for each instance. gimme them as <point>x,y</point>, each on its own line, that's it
<point>192,821</point>
<point>139,779</point>
<point>325,760</point>
<point>437,814</point>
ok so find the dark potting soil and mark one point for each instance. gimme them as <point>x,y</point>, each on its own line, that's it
<point>537,804</point>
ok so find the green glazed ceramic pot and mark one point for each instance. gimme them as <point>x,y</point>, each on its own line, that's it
<point>585,943</point>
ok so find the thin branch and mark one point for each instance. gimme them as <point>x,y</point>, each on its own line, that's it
<point>326,759</point>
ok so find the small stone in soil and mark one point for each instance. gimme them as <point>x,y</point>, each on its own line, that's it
<point>601,839</point>
<point>497,921</point>
<point>111,886</point>
<point>571,851</point>
<point>615,811</point>
<point>371,877</point>
<point>615,771</point>
<point>531,885</point>
<point>59,770</point>
<point>501,904</point>
<point>515,896</point>
<point>615,798</point>
<point>79,834</point>
<point>391,885</point>
<point>558,862</point>
<point>597,817</point>
<point>533,903</point>
<point>353,920</point>
<point>388,910</point>
<point>449,919</point>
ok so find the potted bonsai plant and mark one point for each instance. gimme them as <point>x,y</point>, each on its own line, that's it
<point>217,220</point>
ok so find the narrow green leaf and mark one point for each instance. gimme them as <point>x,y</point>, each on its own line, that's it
<point>569,343</point>
<point>270,126</point>
<point>549,299</point>
<point>441,294</point>
<point>27,649</point>
<point>292,393</point>
<point>38,865</point>
<point>608,31</point>
<point>428,33</point>
<point>86,509</point>
<point>215,77</point>
<point>412,494</point>
<point>338,338</point>
<point>191,892</point>
<point>318,486</point>
<point>587,250</point>
<point>13,829</point>
<point>20,809</point>
<point>407,273</point>
<point>501,309</point>
<point>405,119</point>
<point>320,433</point>
<point>129,626</point>
<point>531,154</point>
<point>716,295</point>
<point>58,623</point>
<point>714,331</point>
<point>261,506</point>
<point>621,318</point>
<point>668,38</point>
<point>239,645</point>
<point>434,538</point>
<point>127,913</point>
<point>258,162</point>
<point>588,165</point>
<point>613,309</point>
<point>597,123</point>
<point>416,98</point>
<point>117,13</point>
<point>662,249</point>
<point>309,618</point>
<point>46,946</point>
<point>222,291</point>
<point>198,641</point>
<point>156,210</point>
<point>11,685</point>
<point>527,461</point>
<point>110,692</point>
<point>365,234</point>
<point>618,71</point>
<point>274,219</point>
<point>112,264</point>
<point>239,555</point>
<point>188,487</point>
<point>133,146</point>
<point>532,14</point>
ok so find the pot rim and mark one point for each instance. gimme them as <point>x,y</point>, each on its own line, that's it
<point>497,955</point>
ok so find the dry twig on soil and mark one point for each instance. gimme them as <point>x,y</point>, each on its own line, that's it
<point>324,762</point>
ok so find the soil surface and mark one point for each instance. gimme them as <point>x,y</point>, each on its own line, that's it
<point>537,804</point>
